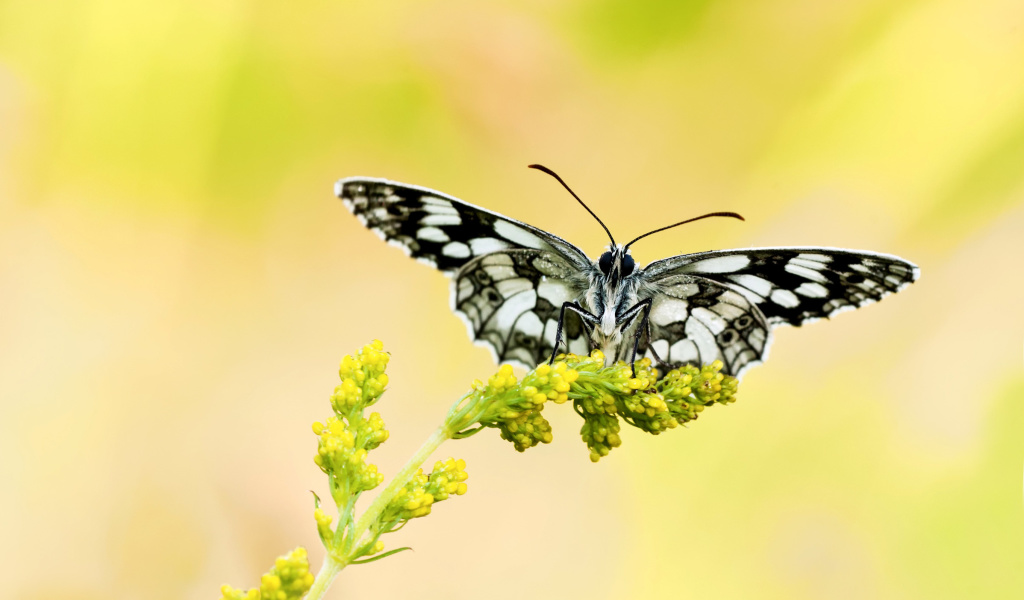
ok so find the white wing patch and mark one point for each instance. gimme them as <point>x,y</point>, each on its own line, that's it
<point>785,298</point>
<point>440,221</point>
<point>759,285</point>
<point>812,290</point>
<point>517,235</point>
<point>722,264</point>
<point>456,250</point>
<point>666,310</point>
<point>432,234</point>
<point>481,246</point>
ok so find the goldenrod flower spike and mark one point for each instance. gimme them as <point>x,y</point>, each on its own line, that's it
<point>603,396</point>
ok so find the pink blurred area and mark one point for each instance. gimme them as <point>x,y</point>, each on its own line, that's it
<point>178,284</point>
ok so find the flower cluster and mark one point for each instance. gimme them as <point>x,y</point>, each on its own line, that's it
<point>288,579</point>
<point>345,438</point>
<point>602,395</point>
<point>342,448</point>
<point>422,491</point>
<point>343,442</point>
<point>514,407</point>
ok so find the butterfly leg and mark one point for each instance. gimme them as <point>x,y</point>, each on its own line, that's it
<point>661,361</point>
<point>579,310</point>
<point>642,308</point>
<point>657,357</point>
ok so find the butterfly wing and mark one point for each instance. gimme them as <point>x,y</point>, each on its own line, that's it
<point>793,286</point>
<point>510,301</point>
<point>694,320</point>
<point>440,230</point>
<point>509,279</point>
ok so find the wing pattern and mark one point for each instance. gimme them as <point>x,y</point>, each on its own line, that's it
<point>510,302</point>
<point>696,321</point>
<point>440,230</point>
<point>793,286</point>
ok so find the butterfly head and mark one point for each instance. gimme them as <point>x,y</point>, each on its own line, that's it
<point>616,263</point>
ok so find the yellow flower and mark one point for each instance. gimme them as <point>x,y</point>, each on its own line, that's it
<point>423,491</point>
<point>288,579</point>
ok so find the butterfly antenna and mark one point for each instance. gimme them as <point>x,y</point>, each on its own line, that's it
<point>555,175</point>
<point>714,214</point>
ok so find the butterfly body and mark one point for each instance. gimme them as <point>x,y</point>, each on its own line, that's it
<point>526,294</point>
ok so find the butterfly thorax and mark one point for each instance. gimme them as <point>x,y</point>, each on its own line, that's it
<point>612,292</point>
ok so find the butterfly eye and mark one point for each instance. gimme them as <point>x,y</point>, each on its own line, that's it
<point>628,264</point>
<point>605,263</point>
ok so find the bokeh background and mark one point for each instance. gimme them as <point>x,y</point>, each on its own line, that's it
<point>178,284</point>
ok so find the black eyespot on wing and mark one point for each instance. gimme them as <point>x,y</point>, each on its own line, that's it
<point>492,296</point>
<point>728,336</point>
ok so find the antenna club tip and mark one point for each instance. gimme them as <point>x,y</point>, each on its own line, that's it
<point>727,214</point>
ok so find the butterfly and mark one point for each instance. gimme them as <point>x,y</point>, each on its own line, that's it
<point>523,292</point>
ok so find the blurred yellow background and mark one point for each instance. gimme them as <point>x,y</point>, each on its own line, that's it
<point>178,284</point>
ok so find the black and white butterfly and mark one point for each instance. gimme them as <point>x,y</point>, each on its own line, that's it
<point>522,291</point>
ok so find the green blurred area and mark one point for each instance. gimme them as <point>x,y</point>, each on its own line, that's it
<point>177,283</point>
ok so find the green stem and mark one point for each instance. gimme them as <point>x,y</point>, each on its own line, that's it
<point>328,571</point>
<point>332,566</point>
<point>441,435</point>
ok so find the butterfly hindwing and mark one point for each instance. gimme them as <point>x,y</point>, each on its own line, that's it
<point>440,230</point>
<point>510,301</point>
<point>696,321</point>
<point>792,286</point>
